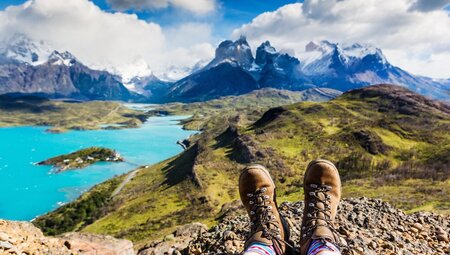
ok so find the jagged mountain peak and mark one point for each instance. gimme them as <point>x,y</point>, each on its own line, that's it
<point>21,48</point>
<point>346,51</point>
<point>320,46</point>
<point>238,52</point>
<point>325,57</point>
<point>265,52</point>
<point>61,58</point>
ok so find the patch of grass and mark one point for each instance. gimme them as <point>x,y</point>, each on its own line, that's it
<point>73,216</point>
<point>62,116</point>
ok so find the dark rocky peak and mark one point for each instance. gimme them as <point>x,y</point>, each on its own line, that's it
<point>238,52</point>
<point>264,53</point>
<point>267,55</point>
<point>62,58</point>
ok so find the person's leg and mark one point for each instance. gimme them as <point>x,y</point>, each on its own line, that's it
<point>259,249</point>
<point>268,234</point>
<point>322,247</point>
<point>322,188</point>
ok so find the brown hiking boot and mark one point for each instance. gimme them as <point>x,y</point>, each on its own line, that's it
<point>322,187</point>
<point>257,191</point>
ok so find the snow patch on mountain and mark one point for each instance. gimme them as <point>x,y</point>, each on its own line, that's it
<point>22,49</point>
<point>61,58</point>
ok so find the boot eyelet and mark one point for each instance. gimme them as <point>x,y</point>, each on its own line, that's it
<point>311,205</point>
<point>252,212</point>
<point>313,185</point>
<point>264,189</point>
<point>269,208</point>
<point>249,195</point>
<point>251,202</point>
<point>266,197</point>
<point>311,193</point>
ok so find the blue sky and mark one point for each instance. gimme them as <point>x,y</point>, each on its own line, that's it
<point>230,14</point>
<point>413,34</point>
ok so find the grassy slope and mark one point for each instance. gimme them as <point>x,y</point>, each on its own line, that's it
<point>255,102</point>
<point>62,116</point>
<point>373,138</point>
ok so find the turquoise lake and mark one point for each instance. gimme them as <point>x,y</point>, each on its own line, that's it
<point>27,191</point>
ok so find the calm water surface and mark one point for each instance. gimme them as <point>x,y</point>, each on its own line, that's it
<point>27,191</point>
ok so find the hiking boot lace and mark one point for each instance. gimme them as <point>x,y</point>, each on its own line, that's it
<point>312,218</point>
<point>261,214</point>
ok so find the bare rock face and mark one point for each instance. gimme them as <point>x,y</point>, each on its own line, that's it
<point>90,244</point>
<point>23,238</point>
<point>175,242</point>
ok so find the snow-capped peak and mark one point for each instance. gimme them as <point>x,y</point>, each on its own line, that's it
<point>21,48</point>
<point>318,56</point>
<point>321,46</point>
<point>267,47</point>
<point>238,52</point>
<point>61,58</point>
<point>359,50</point>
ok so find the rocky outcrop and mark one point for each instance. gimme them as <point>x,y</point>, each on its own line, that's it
<point>83,243</point>
<point>23,238</point>
<point>176,242</point>
<point>367,226</point>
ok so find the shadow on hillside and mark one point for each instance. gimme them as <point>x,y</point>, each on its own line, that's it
<point>181,168</point>
<point>27,104</point>
<point>228,141</point>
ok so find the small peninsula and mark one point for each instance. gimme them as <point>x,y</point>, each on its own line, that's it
<point>82,158</point>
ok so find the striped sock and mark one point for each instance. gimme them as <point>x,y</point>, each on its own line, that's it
<point>323,247</point>
<point>259,249</point>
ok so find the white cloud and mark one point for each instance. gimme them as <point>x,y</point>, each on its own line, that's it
<point>200,7</point>
<point>100,38</point>
<point>417,41</point>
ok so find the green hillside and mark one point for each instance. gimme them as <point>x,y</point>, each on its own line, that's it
<point>30,110</point>
<point>253,103</point>
<point>387,142</point>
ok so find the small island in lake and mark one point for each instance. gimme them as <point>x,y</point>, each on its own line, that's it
<point>82,158</point>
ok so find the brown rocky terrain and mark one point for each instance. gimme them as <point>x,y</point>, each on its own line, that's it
<point>366,226</point>
<point>22,238</point>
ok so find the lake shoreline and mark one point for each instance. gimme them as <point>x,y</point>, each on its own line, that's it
<point>37,191</point>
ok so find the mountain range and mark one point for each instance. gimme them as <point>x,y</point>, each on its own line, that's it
<point>234,71</point>
<point>30,67</point>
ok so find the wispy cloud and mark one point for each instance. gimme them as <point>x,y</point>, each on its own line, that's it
<point>199,7</point>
